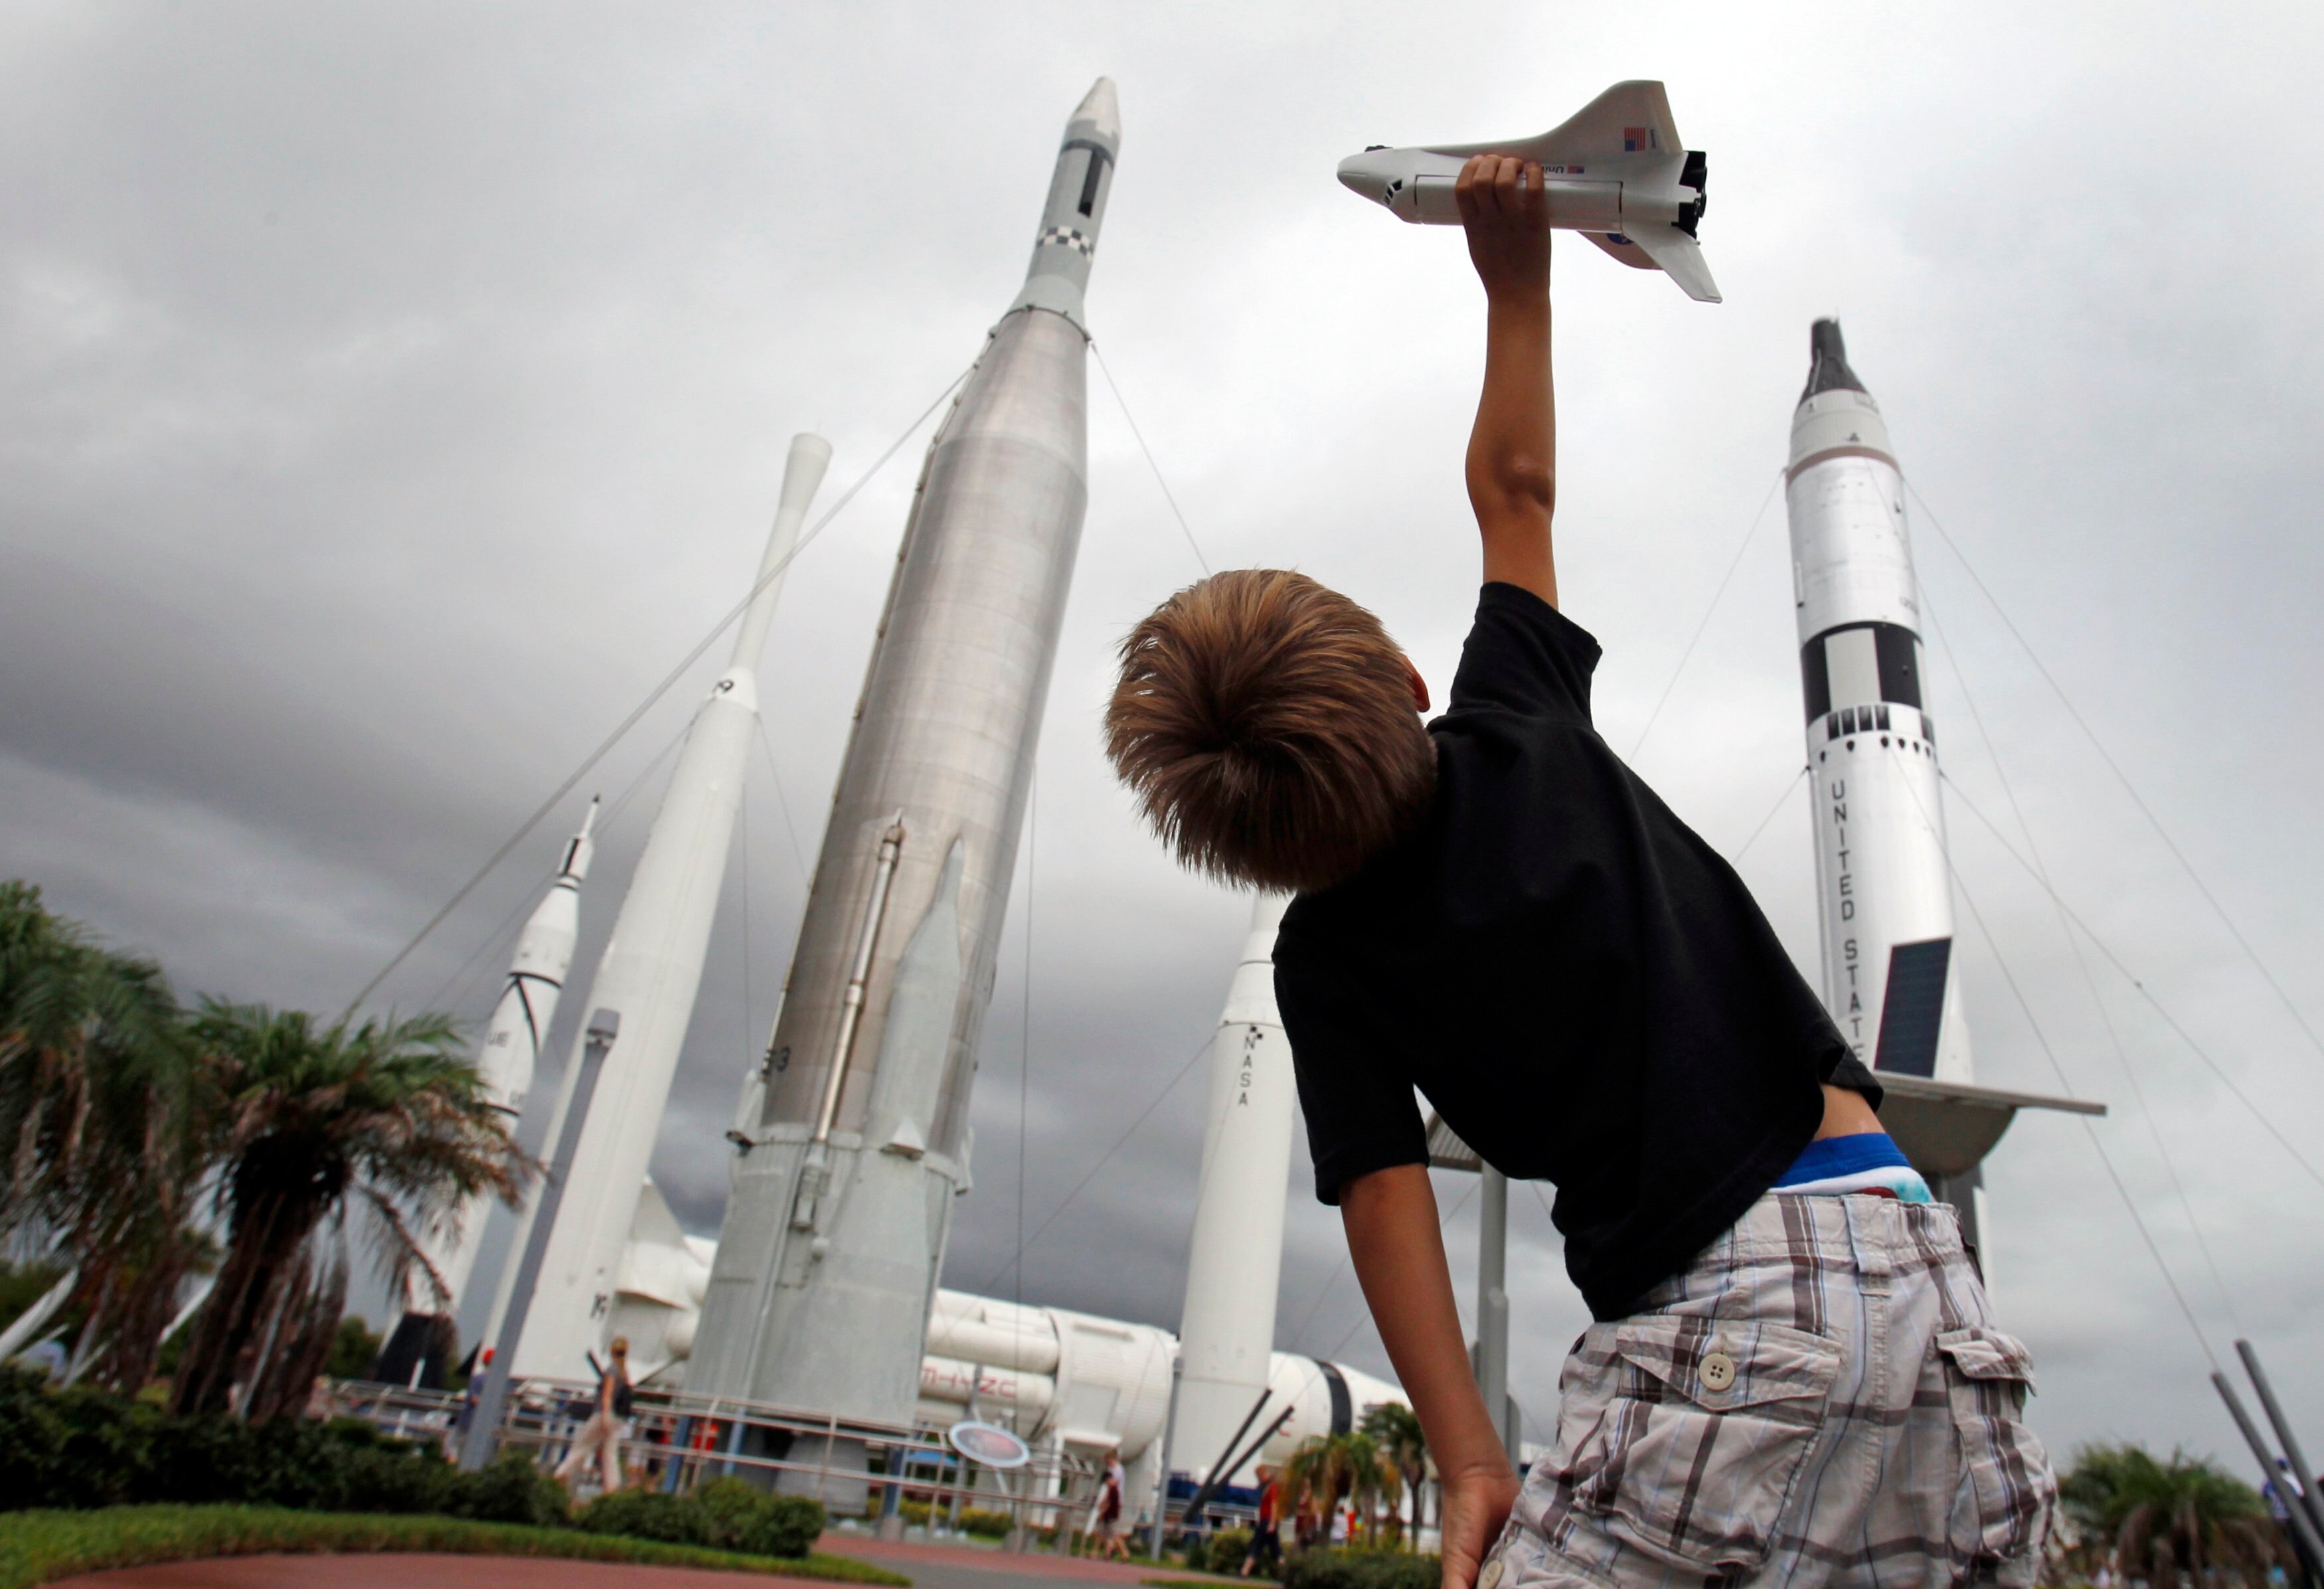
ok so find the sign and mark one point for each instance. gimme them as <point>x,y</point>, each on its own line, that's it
<point>989,1444</point>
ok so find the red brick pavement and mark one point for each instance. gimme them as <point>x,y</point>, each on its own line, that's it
<point>930,1567</point>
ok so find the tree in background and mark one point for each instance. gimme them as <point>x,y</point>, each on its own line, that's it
<point>1335,1468</point>
<point>100,1100</point>
<point>1395,1430</point>
<point>2157,1519</point>
<point>388,1116</point>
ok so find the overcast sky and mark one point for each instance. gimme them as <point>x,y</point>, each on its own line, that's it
<point>390,395</point>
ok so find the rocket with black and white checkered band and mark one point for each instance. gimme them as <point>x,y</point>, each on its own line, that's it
<point>1884,888</point>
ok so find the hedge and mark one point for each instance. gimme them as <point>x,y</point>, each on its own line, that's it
<point>1361,1569</point>
<point>725,1514</point>
<point>81,1449</point>
<point>41,1547</point>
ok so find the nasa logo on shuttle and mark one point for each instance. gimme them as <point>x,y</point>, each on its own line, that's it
<point>988,1444</point>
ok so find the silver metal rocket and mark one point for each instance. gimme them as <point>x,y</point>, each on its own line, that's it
<point>648,977</point>
<point>847,1166</point>
<point>1883,888</point>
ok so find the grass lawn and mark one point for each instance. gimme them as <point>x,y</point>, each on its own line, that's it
<point>41,1547</point>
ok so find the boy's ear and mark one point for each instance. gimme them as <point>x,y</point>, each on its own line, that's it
<point>1419,685</point>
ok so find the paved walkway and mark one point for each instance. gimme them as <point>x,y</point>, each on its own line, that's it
<point>964,1566</point>
<point>411,1572</point>
<point>929,1566</point>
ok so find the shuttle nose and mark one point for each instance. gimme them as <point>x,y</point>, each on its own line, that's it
<point>1365,175</point>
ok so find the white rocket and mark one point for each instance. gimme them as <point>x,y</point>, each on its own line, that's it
<point>1615,171</point>
<point>511,1046</point>
<point>1883,888</point>
<point>1235,1264</point>
<point>650,975</point>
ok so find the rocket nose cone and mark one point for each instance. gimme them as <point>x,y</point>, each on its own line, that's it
<point>1102,110</point>
<point>1828,368</point>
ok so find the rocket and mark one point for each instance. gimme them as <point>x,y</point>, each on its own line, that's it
<point>650,975</point>
<point>505,1062</point>
<point>1616,171</point>
<point>846,1167</point>
<point>1883,886</point>
<point>518,1026</point>
<point>1235,1262</point>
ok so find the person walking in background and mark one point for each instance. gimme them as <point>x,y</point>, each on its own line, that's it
<point>1112,1541</point>
<point>608,1425</point>
<point>1265,1553</point>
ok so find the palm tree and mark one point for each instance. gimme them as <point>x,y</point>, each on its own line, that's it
<point>98,1099</point>
<point>1333,1468</point>
<point>2159,1520</point>
<point>1394,1429</point>
<point>389,1115</point>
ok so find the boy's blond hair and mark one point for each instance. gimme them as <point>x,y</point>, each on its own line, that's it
<point>1266,725</point>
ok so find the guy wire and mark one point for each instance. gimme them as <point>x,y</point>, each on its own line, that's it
<point>1201,561</point>
<point>2121,777</point>
<point>2130,1205</point>
<point>643,707</point>
<point>2082,962</point>
<point>1696,638</point>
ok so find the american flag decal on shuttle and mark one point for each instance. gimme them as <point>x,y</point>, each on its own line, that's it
<point>1637,140</point>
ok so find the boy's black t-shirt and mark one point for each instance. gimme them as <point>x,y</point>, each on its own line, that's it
<point>1584,990</point>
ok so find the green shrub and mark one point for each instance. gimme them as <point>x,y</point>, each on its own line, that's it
<point>647,1514</point>
<point>1361,1569</point>
<point>759,1524</point>
<point>986,1523</point>
<point>1225,1551</point>
<point>513,1489</point>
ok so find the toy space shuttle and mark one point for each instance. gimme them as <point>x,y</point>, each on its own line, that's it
<point>1617,173</point>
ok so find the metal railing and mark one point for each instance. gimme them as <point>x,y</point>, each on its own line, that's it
<point>677,1441</point>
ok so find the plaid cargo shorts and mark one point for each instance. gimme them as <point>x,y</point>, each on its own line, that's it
<point>1820,1398</point>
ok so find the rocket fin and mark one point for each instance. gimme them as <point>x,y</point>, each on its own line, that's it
<point>1682,256</point>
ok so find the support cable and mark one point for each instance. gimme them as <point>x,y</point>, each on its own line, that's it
<point>2212,899</point>
<point>1770,817</point>
<point>750,1025</point>
<point>775,774</point>
<point>462,978</point>
<point>1104,1159</point>
<point>1696,638</point>
<point>1025,1037</point>
<point>1168,495</point>
<point>668,681</point>
<point>2156,1004</point>
<point>2081,964</point>
<point>2041,1038</point>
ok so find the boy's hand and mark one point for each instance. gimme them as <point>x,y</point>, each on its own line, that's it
<point>1475,1506</point>
<point>1505,209</point>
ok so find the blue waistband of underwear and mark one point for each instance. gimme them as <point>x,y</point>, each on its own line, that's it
<point>1869,1162</point>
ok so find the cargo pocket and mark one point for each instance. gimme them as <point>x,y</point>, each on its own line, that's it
<point>1701,1437</point>
<point>2001,1510</point>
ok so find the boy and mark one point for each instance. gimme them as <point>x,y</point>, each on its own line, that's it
<point>1794,1376</point>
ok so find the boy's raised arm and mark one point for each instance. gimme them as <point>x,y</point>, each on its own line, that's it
<point>1512,467</point>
